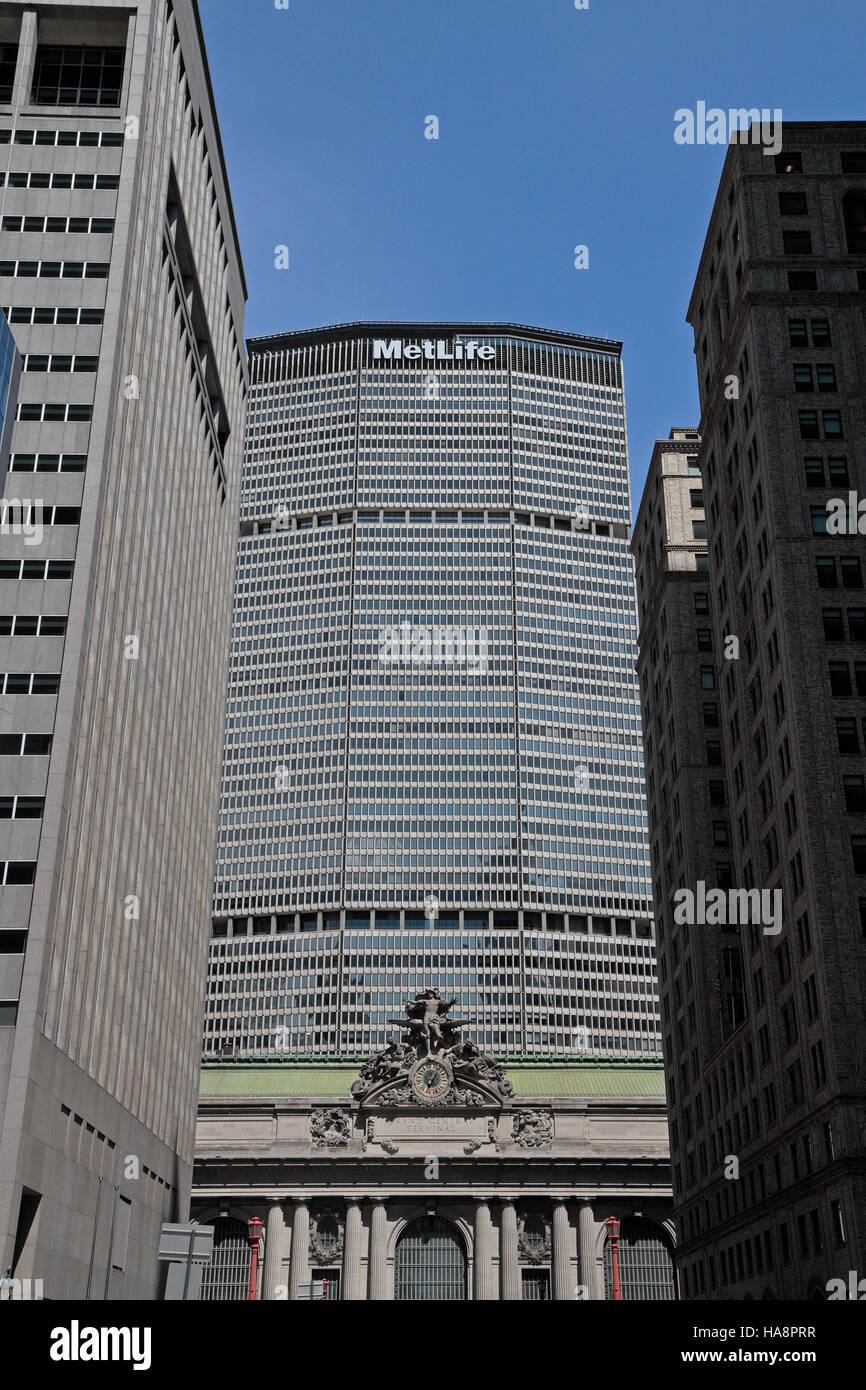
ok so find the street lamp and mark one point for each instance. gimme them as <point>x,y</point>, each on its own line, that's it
<point>255,1225</point>
<point>613,1236</point>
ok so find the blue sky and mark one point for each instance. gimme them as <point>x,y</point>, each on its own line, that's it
<point>555,129</point>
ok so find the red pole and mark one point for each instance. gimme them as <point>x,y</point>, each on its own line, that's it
<point>255,1235</point>
<point>613,1235</point>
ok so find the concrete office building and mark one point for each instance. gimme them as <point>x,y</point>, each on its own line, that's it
<point>433,767</point>
<point>121,277</point>
<point>780,335</point>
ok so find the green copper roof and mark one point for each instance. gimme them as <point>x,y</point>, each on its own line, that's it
<point>239,1079</point>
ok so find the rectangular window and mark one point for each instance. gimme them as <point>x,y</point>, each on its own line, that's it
<point>826,573</point>
<point>832,423</point>
<point>825,375</point>
<point>803,377</point>
<point>834,628</point>
<point>840,677</point>
<point>797,333</point>
<point>847,736</point>
<point>77,76</point>
<point>792,204</point>
<point>858,853</point>
<point>8,63</point>
<point>797,243</point>
<point>820,332</point>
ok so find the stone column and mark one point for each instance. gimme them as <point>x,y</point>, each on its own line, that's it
<point>588,1267</point>
<point>508,1262</point>
<point>299,1269</point>
<point>275,1234</point>
<point>378,1280</point>
<point>352,1283</point>
<point>563,1277</point>
<point>483,1267</point>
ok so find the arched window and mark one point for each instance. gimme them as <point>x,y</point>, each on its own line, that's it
<point>227,1277</point>
<point>430,1262</point>
<point>646,1269</point>
<point>854,212</point>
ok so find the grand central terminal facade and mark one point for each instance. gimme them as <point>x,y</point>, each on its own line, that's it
<point>432,1172</point>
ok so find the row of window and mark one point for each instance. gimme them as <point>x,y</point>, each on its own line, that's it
<point>824,377</point>
<point>834,624</point>
<point>826,424</point>
<point>79,225</point>
<point>48,463</point>
<point>80,138</point>
<point>77,181</point>
<point>803,332</point>
<point>51,315</point>
<point>36,569</point>
<point>28,683</point>
<point>849,571</point>
<point>836,476</point>
<point>52,410</point>
<point>60,362</point>
<point>55,270</point>
<point>25,745</point>
<point>17,872</point>
<point>32,514</point>
<point>21,807</point>
<point>18,625</point>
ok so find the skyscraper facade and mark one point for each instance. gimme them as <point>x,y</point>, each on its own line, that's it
<point>769,1116</point>
<point>121,277</point>
<point>433,766</point>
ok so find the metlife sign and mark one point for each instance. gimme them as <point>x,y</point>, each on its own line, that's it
<point>428,350</point>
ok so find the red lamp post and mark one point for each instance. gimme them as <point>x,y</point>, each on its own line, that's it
<point>613,1236</point>
<point>255,1225</point>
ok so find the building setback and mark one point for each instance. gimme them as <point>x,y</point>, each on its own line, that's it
<point>121,278</point>
<point>433,765</point>
<point>767,1105</point>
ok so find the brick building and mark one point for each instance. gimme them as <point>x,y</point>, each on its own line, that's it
<point>773,1075</point>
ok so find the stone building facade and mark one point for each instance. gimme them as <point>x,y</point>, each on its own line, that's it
<point>435,1175</point>
<point>700,968</point>
<point>769,1121</point>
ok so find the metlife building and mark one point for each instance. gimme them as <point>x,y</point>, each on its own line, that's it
<point>433,764</point>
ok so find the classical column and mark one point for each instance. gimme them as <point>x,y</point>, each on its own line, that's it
<point>563,1277</point>
<point>272,1276</point>
<point>483,1267</point>
<point>299,1269</point>
<point>508,1252</point>
<point>588,1268</point>
<point>353,1284</point>
<point>378,1283</point>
